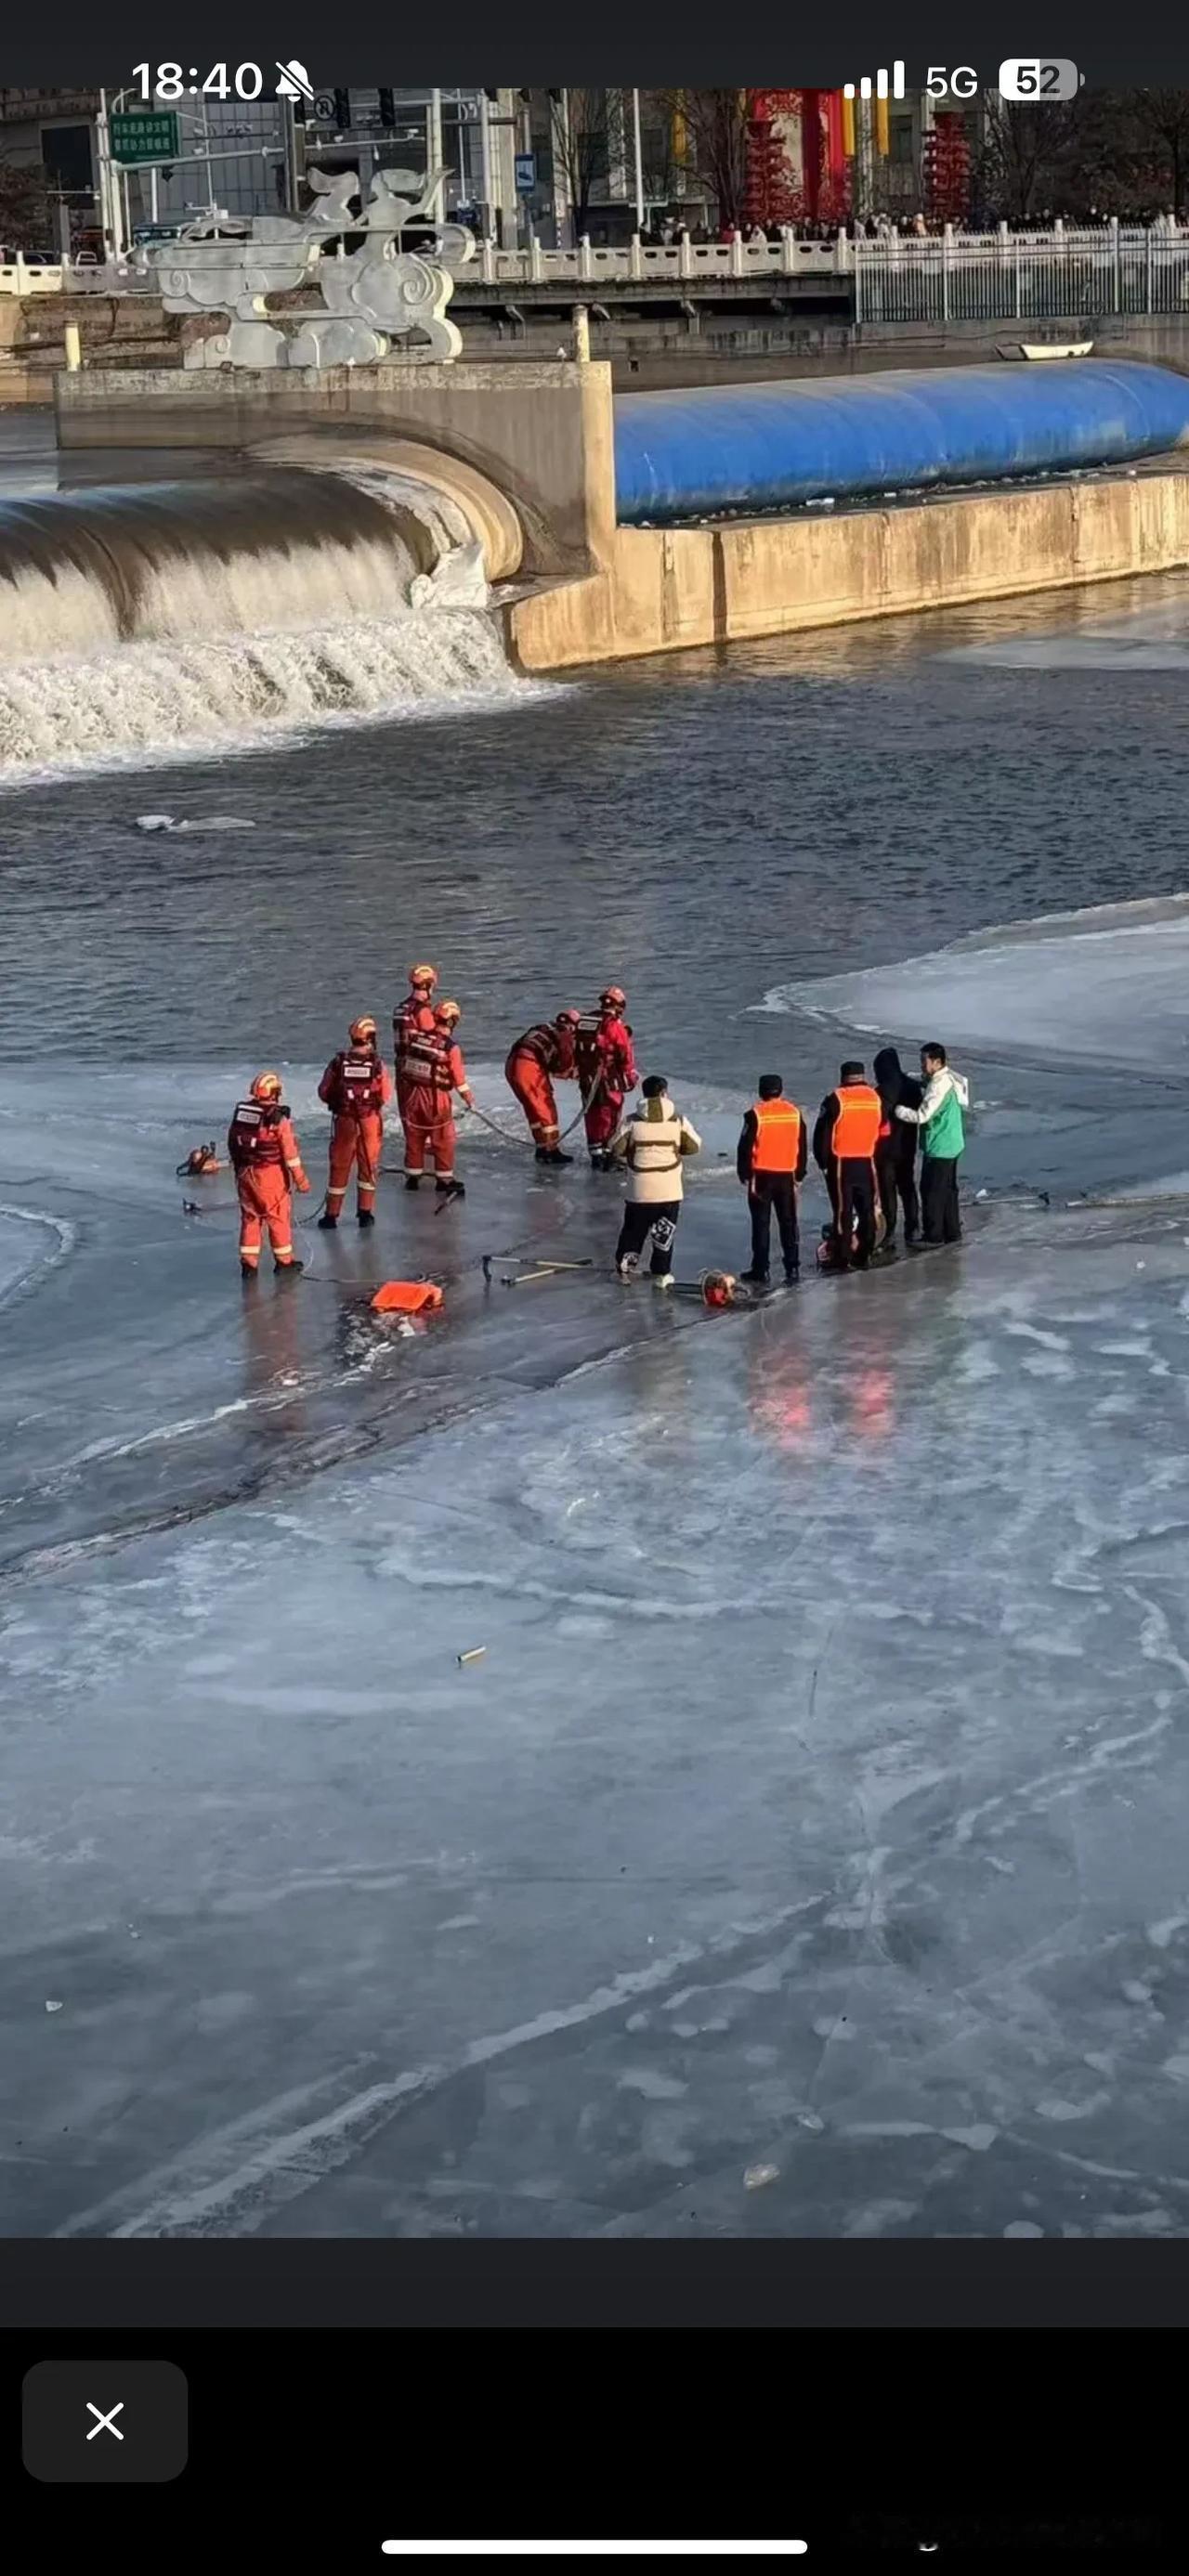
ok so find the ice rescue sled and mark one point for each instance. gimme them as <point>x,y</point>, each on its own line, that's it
<point>407,1297</point>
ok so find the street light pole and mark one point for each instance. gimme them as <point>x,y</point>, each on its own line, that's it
<point>485,161</point>
<point>433,140</point>
<point>639,160</point>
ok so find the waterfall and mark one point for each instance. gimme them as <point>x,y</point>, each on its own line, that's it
<point>160,620</point>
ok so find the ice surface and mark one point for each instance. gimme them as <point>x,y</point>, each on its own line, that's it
<point>1105,986</point>
<point>816,1804</point>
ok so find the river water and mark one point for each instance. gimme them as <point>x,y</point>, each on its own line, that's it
<point>818,1804</point>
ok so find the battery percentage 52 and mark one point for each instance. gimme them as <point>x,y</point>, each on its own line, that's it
<point>1036,83</point>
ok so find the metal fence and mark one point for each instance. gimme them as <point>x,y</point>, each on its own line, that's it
<point>1022,277</point>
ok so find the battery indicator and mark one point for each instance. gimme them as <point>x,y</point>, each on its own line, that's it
<point>1036,82</point>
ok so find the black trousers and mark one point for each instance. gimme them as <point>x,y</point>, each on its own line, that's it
<point>642,1217</point>
<point>939,1199</point>
<point>897,1180</point>
<point>772,1194</point>
<point>851,1185</point>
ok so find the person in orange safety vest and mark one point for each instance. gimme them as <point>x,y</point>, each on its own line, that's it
<point>266,1158</point>
<point>772,1155</point>
<point>355,1087</point>
<point>606,1069</point>
<point>543,1055</point>
<point>849,1124</point>
<point>428,1110</point>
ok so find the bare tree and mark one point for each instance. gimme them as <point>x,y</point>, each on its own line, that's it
<point>1160,118</point>
<point>579,124</point>
<point>1024,156</point>
<point>716,125</point>
<point>24,205</point>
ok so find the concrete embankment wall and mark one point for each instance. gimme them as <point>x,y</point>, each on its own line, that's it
<point>675,587</point>
<point>541,434</point>
<point>543,437</point>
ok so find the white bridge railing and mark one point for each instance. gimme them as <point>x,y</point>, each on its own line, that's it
<point>703,262</point>
<point>902,277</point>
<point>1003,276</point>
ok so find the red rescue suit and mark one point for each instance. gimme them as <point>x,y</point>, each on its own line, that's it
<point>436,1072</point>
<point>266,1158</point>
<point>540,1057</point>
<point>606,1073</point>
<point>355,1086</point>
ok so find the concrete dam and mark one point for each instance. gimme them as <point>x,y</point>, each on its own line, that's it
<point>304,545</point>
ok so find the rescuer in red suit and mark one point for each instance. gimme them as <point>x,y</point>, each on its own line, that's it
<point>606,1071</point>
<point>355,1087</point>
<point>429,1114</point>
<point>544,1055</point>
<point>266,1158</point>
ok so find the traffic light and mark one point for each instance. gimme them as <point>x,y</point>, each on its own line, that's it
<point>387,107</point>
<point>342,110</point>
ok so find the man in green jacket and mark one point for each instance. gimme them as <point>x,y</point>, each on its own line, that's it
<point>943,1140</point>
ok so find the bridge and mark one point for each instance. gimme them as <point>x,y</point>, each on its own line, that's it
<point>1000,276</point>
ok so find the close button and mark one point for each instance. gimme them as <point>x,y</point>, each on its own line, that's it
<point>102,2423</point>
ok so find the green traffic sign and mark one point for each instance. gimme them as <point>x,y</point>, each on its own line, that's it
<point>149,136</point>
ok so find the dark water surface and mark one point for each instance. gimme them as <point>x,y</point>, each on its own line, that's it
<point>704,827</point>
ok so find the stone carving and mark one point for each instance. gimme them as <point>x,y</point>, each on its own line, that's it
<point>374,295</point>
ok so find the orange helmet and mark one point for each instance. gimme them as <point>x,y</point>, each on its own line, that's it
<point>448,1011</point>
<point>614,994</point>
<point>567,1019</point>
<point>423,974</point>
<point>267,1086</point>
<point>360,1029</point>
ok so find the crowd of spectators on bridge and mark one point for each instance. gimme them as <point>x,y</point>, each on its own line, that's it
<point>668,232</point>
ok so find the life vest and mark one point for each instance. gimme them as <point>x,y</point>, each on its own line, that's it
<point>254,1136</point>
<point>426,1058</point>
<point>358,1085</point>
<point>778,1136</point>
<point>544,1043</point>
<point>588,1054</point>
<point>857,1126</point>
<point>655,1144</point>
<point>410,1020</point>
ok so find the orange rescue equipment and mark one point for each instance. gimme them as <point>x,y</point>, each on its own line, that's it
<point>407,1297</point>
<point>778,1136</point>
<point>857,1126</point>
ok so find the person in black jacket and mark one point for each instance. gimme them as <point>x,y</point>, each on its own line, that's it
<point>896,1151</point>
<point>770,1161</point>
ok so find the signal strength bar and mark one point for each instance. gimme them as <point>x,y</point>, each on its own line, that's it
<point>879,88</point>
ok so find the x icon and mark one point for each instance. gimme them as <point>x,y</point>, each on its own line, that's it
<point>106,2423</point>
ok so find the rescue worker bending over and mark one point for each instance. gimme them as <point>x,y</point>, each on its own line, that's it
<point>430,1127</point>
<point>266,1159</point>
<point>355,1087</point>
<point>543,1056</point>
<point>606,1072</point>
<point>773,1150</point>
<point>653,1143</point>
<point>943,1143</point>
<point>844,1142</point>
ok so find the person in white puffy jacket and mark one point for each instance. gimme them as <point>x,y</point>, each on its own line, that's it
<point>653,1143</point>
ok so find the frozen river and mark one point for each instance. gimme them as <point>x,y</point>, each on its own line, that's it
<point>806,1853</point>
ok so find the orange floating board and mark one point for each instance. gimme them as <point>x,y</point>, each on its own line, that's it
<point>406,1297</point>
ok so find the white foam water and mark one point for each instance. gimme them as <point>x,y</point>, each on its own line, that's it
<point>181,698</point>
